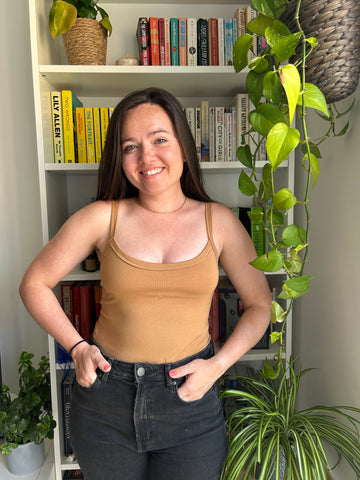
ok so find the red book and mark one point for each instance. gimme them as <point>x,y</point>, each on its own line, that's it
<point>86,310</point>
<point>154,41</point>
<point>162,41</point>
<point>182,41</point>
<point>76,306</point>
<point>213,41</point>
<point>67,299</point>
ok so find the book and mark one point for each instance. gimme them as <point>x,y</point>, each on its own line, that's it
<point>213,41</point>
<point>76,306</point>
<point>73,475</point>
<point>61,355</point>
<point>204,125</point>
<point>167,42</point>
<point>57,126</point>
<point>202,42</point>
<point>228,41</point>
<point>251,13</point>
<point>221,45</point>
<point>174,41</point>
<point>154,41</point>
<point>190,116</point>
<point>104,124</point>
<point>97,134</point>
<point>80,134</point>
<point>67,299</point>
<point>86,310</point>
<point>245,219</point>
<point>257,233</point>
<point>212,134</point>
<point>241,104</point>
<point>239,15</point>
<point>69,103</point>
<point>192,42</point>
<point>219,134</point>
<point>66,391</point>
<point>198,132</point>
<point>162,41</point>
<point>143,40</point>
<point>228,136</point>
<point>89,132</point>
<point>182,42</point>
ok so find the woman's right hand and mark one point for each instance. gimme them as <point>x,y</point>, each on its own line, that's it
<point>87,358</point>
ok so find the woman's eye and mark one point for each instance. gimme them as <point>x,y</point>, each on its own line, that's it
<point>129,148</point>
<point>160,140</point>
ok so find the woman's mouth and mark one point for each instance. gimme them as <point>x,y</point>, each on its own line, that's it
<point>154,171</point>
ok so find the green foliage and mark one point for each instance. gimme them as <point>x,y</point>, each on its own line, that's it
<point>279,92</point>
<point>28,417</point>
<point>63,14</point>
<point>266,426</point>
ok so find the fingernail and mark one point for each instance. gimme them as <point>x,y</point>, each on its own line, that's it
<point>172,373</point>
<point>107,367</point>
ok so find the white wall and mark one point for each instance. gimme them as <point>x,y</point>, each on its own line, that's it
<point>327,327</point>
<point>20,237</point>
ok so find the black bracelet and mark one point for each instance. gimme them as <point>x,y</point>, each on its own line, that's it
<point>76,344</point>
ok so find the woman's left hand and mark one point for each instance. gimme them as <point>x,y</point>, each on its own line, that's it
<point>200,376</point>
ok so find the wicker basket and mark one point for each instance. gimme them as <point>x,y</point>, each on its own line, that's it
<point>334,65</point>
<point>86,43</point>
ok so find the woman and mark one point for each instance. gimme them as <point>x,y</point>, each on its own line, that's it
<point>144,403</point>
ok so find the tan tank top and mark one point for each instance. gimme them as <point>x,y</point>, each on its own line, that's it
<point>155,312</point>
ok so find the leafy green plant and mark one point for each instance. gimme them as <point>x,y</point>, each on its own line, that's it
<point>266,427</point>
<point>27,417</point>
<point>280,94</point>
<point>63,14</point>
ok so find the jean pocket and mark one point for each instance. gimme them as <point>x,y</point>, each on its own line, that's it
<point>192,402</point>
<point>99,380</point>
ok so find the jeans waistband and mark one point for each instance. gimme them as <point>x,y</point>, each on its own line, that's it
<point>140,371</point>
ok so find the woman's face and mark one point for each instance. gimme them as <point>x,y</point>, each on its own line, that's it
<point>152,158</point>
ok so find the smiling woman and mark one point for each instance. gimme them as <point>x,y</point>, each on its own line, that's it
<point>146,386</point>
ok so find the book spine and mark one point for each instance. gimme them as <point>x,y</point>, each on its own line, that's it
<point>76,306</point>
<point>251,13</point>
<point>228,136</point>
<point>212,134</point>
<point>219,134</point>
<point>80,134</point>
<point>192,42</point>
<point>198,132</point>
<point>182,42</point>
<point>241,22</point>
<point>202,42</point>
<point>68,126</point>
<point>257,233</point>
<point>154,41</point>
<point>89,129</point>
<point>174,41</point>
<point>190,116</point>
<point>143,41</point>
<point>57,126</point>
<point>162,41</point>
<point>104,124</point>
<point>221,47</point>
<point>67,300</point>
<point>228,41</point>
<point>97,134</point>
<point>86,310</point>
<point>167,42</point>
<point>213,41</point>
<point>204,122</point>
<point>67,386</point>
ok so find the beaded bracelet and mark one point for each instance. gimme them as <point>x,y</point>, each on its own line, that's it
<point>76,344</point>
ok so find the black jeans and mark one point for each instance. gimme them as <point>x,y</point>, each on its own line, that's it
<point>132,425</point>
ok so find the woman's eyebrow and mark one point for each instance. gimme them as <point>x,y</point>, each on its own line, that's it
<point>155,132</point>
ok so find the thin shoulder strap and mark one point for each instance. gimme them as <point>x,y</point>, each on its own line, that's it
<point>208,219</point>
<point>114,212</point>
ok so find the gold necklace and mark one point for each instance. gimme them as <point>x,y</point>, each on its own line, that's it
<point>164,213</point>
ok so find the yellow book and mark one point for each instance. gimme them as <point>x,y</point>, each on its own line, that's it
<point>57,126</point>
<point>69,103</point>
<point>104,121</point>
<point>111,111</point>
<point>89,129</point>
<point>97,134</point>
<point>80,134</point>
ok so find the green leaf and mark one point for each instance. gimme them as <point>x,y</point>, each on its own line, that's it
<point>294,263</point>
<point>259,24</point>
<point>275,336</point>
<point>273,90</point>
<point>268,371</point>
<point>257,215</point>
<point>284,199</point>
<point>314,98</point>
<point>281,141</point>
<point>246,185</point>
<point>284,48</point>
<point>312,41</point>
<point>254,86</point>
<point>244,155</point>
<point>314,149</point>
<point>265,117</point>
<point>313,166</point>
<point>293,235</point>
<point>269,262</point>
<point>240,51</point>
<point>62,17</point>
<point>295,287</point>
<point>105,22</point>
<point>343,130</point>
<point>274,217</point>
<point>277,312</point>
<point>270,8</point>
<point>259,65</point>
<point>275,32</point>
<point>290,80</point>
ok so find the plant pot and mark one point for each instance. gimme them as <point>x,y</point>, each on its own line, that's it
<point>26,459</point>
<point>86,43</point>
<point>334,64</point>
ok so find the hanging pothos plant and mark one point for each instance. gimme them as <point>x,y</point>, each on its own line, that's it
<point>279,93</point>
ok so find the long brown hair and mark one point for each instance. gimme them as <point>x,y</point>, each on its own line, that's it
<point>112,182</point>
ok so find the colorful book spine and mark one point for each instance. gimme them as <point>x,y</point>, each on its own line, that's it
<point>182,42</point>
<point>240,20</point>
<point>104,124</point>
<point>192,42</point>
<point>212,134</point>
<point>219,134</point>
<point>204,122</point>
<point>257,233</point>
<point>80,134</point>
<point>97,134</point>
<point>167,42</point>
<point>202,42</point>
<point>228,41</point>
<point>241,103</point>
<point>66,387</point>
<point>57,126</point>
<point>154,41</point>
<point>162,41</point>
<point>69,102</point>
<point>89,129</point>
<point>228,136</point>
<point>76,306</point>
<point>174,41</point>
<point>213,42</point>
<point>143,41</point>
<point>198,132</point>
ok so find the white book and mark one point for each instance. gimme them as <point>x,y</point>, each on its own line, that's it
<point>192,42</point>
<point>241,103</point>
<point>212,134</point>
<point>219,134</point>
<point>190,116</point>
<point>221,41</point>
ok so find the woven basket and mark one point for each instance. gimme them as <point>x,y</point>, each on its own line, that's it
<point>86,43</point>
<point>334,65</point>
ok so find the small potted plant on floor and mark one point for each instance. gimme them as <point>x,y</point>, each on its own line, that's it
<point>84,36</point>
<point>26,419</point>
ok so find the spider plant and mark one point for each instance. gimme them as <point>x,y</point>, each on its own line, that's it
<point>266,429</point>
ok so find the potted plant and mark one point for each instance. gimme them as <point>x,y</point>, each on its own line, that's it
<point>267,431</point>
<point>26,419</point>
<point>85,37</point>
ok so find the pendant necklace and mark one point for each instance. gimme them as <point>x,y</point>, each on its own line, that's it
<point>164,213</point>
